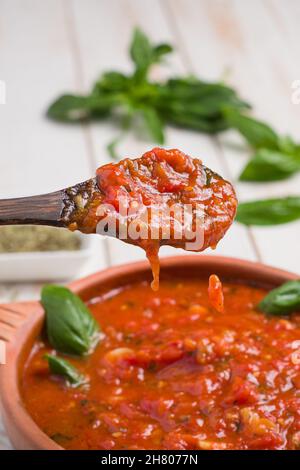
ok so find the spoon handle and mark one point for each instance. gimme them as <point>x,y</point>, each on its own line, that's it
<point>45,209</point>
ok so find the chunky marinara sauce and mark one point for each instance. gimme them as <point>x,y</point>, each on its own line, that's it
<point>165,197</point>
<point>174,373</point>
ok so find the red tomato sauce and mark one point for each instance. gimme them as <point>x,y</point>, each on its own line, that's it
<point>162,179</point>
<point>171,372</point>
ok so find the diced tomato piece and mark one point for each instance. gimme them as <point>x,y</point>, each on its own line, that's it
<point>215,293</point>
<point>241,392</point>
<point>267,442</point>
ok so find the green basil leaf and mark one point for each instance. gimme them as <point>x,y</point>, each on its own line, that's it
<point>198,123</point>
<point>69,108</point>
<point>126,120</point>
<point>141,53</point>
<point>270,165</point>
<point>191,103</point>
<point>65,369</point>
<point>112,147</point>
<point>257,133</point>
<point>161,50</point>
<point>269,211</point>
<point>153,124</point>
<point>144,54</point>
<point>207,107</point>
<point>113,82</point>
<point>282,300</point>
<point>287,145</point>
<point>70,326</point>
<point>194,96</point>
<point>190,88</point>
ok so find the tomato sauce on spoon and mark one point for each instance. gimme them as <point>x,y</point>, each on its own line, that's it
<point>164,197</point>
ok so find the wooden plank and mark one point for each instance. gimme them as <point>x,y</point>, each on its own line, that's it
<point>95,28</point>
<point>243,37</point>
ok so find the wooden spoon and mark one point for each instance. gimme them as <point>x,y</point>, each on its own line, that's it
<point>55,209</point>
<point>160,178</point>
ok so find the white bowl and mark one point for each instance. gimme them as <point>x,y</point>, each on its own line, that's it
<point>46,265</point>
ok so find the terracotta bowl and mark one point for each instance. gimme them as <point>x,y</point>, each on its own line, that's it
<point>20,324</point>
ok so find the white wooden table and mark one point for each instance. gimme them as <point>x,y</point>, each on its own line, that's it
<point>54,46</point>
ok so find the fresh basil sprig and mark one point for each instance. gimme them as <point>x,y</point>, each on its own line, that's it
<point>65,369</point>
<point>144,54</point>
<point>70,326</point>
<point>134,101</point>
<point>282,300</point>
<point>269,211</point>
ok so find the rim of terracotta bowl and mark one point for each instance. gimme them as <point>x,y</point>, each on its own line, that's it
<point>23,432</point>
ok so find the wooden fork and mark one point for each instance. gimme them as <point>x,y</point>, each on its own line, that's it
<point>12,316</point>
